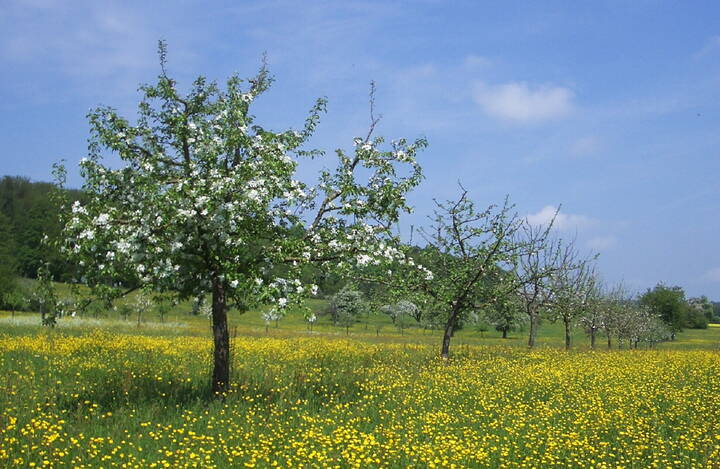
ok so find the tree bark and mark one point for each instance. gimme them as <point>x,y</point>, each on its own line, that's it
<point>447,335</point>
<point>504,331</point>
<point>568,339</point>
<point>221,339</point>
<point>533,330</point>
<point>609,338</point>
<point>592,338</point>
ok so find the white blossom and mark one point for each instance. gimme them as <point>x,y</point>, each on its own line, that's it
<point>102,219</point>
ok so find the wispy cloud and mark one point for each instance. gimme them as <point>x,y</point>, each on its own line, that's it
<point>602,243</point>
<point>524,103</point>
<point>100,44</point>
<point>562,221</point>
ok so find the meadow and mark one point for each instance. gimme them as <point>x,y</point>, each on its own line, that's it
<point>103,392</point>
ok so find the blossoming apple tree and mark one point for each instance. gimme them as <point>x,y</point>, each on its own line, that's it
<point>206,200</point>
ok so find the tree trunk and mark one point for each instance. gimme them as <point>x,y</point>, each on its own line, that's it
<point>504,331</point>
<point>533,330</point>
<point>609,338</point>
<point>592,338</point>
<point>568,339</point>
<point>447,335</point>
<point>221,339</point>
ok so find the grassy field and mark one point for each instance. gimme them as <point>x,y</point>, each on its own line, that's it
<point>104,392</point>
<point>377,328</point>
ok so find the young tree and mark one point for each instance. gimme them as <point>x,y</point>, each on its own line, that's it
<point>163,305</point>
<point>402,313</point>
<point>505,314</point>
<point>593,319</point>
<point>572,286</point>
<point>614,306</point>
<point>272,314</point>
<point>142,304</point>
<point>346,307</point>
<point>467,251</point>
<point>207,201</point>
<point>403,308</point>
<point>537,262</point>
<point>311,320</point>
<point>45,298</point>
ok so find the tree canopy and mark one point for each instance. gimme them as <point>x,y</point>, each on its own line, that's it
<point>207,200</point>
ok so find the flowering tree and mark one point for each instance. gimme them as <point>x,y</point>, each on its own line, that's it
<point>273,314</point>
<point>207,201</point>
<point>596,312</point>
<point>311,320</point>
<point>346,306</point>
<point>402,312</point>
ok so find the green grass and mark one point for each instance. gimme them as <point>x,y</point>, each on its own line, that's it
<point>378,328</point>
<point>375,328</point>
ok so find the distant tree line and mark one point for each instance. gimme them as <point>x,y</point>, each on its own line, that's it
<point>27,215</point>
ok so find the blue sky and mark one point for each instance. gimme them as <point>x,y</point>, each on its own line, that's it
<point>610,108</point>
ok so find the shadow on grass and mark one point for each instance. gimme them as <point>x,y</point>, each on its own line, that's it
<point>114,393</point>
<point>103,392</point>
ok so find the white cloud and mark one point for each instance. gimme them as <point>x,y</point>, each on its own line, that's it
<point>712,275</point>
<point>563,221</point>
<point>600,243</point>
<point>520,102</point>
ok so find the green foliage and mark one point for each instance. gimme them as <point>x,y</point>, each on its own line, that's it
<point>697,318</point>
<point>505,314</point>
<point>8,267</point>
<point>669,303</point>
<point>28,214</point>
<point>700,312</point>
